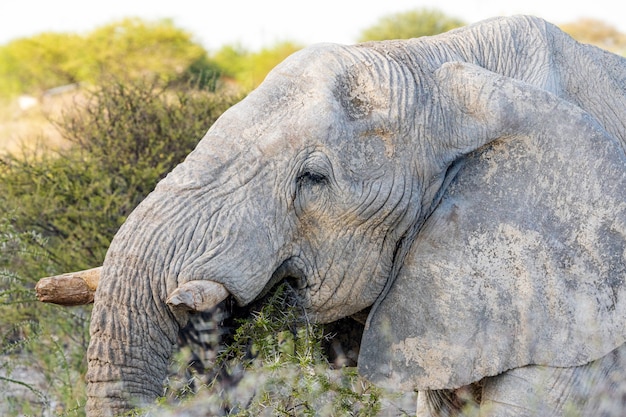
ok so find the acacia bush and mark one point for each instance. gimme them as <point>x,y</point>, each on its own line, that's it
<point>410,24</point>
<point>125,138</point>
<point>41,347</point>
<point>247,68</point>
<point>272,361</point>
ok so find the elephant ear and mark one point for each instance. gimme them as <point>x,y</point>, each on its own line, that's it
<point>523,260</point>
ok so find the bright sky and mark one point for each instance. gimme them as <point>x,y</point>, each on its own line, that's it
<point>257,23</point>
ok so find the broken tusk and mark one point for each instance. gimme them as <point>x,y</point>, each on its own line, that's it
<point>198,295</point>
<point>71,289</point>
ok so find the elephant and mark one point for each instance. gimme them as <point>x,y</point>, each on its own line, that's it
<point>469,189</point>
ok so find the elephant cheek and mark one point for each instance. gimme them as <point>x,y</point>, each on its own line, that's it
<point>354,287</point>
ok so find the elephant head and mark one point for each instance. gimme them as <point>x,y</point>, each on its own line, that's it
<point>308,179</point>
<point>381,175</point>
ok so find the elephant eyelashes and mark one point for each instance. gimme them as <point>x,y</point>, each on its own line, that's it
<point>310,186</point>
<point>311,179</point>
<point>316,173</point>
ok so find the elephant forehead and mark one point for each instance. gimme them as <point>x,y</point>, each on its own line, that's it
<point>323,122</point>
<point>294,127</point>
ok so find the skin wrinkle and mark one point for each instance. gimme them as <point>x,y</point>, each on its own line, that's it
<point>284,188</point>
<point>567,387</point>
<point>187,246</point>
<point>226,218</point>
<point>338,281</point>
<point>303,265</point>
<point>151,248</point>
<point>353,288</point>
<point>126,332</point>
<point>609,118</point>
<point>401,201</point>
<point>373,211</point>
<point>131,297</point>
<point>362,207</point>
<point>508,405</point>
<point>295,171</point>
<point>313,279</point>
<point>211,242</point>
<point>335,280</point>
<point>396,86</point>
<point>368,212</point>
<point>324,278</point>
<point>299,191</point>
<point>219,181</point>
<point>381,221</point>
<point>144,361</point>
<point>178,250</point>
<point>401,80</point>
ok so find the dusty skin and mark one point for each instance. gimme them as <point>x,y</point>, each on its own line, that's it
<point>470,188</point>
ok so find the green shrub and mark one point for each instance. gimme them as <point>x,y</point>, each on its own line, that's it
<point>275,363</point>
<point>248,68</point>
<point>125,138</point>
<point>41,347</point>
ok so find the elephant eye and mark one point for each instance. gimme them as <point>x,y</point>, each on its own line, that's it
<point>312,184</point>
<point>310,187</point>
<point>311,178</point>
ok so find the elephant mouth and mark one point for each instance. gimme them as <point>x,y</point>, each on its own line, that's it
<point>206,294</point>
<point>290,271</point>
<point>341,341</point>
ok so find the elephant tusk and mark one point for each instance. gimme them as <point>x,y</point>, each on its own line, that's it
<point>200,295</point>
<point>76,288</point>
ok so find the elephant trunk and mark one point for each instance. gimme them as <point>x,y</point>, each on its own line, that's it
<point>129,350</point>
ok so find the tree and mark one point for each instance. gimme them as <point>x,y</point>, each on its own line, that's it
<point>597,33</point>
<point>131,49</point>
<point>134,48</point>
<point>249,69</point>
<point>40,62</point>
<point>411,24</point>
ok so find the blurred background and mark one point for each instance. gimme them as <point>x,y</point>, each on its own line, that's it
<point>50,48</point>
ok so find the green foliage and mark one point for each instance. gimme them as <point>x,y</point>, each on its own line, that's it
<point>247,68</point>
<point>137,49</point>
<point>126,138</point>
<point>129,49</point>
<point>39,371</point>
<point>202,73</point>
<point>411,24</point>
<point>276,365</point>
<point>40,62</point>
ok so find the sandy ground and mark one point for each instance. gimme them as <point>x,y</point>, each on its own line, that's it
<point>26,122</point>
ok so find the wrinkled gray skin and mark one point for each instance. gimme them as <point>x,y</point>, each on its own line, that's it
<point>478,205</point>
